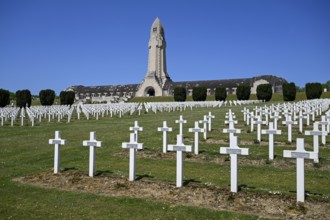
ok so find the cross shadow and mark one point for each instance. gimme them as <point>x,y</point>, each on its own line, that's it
<point>69,168</point>
<point>140,177</point>
<point>186,182</point>
<point>103,172</point>
<point>243,186</point>
<point>201,151</point>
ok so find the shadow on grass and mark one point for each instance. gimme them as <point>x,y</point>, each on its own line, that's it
<point>140,177</point>
<point>243,186</point>
<point>186,182</point>
<point>68,169</point>
<point>103,172</point>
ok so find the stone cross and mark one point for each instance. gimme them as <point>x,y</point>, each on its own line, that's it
<point>133,146</point>
<point>271,131</point>
<point>247,117</point>
<point>181,121</point>
<point>327,117</point>
<point>57,141</point>
<point>92,143</point>
<point>179,147</point>
<point>136,129</point>
<point>209,117</point>
<point>233,151</point>
<point>300,154</point>
<point>276,117</point>
<point>301,117</point>
<point>196,129</point>
<point>289,123</point>
<point>204,122</point>
<point>231,130</point>
<point>252,121</point>
<point>323,124</point>
<point>164,129</point>
<point>259,122</point>
<point>244,113</point>
<point>316,133</point>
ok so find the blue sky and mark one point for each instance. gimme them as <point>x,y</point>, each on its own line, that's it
<point>54,44</point>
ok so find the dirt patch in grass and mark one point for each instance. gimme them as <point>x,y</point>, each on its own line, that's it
<point>270,205</point>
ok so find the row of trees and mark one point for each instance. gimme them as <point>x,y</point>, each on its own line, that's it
<point>47,97</point>
<point>264,92</point>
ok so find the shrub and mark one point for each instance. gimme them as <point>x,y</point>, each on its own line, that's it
<point>23,98</point>
<point>180,94</point>
<point>4,97</point>
<point>243,92</point>
<point>289,92</point>
<point>67,97</point>
<point>313,90</point>
<point>199,93</point>
<point>47,97</point>
<point>220,94</point>
<point>264,92</point>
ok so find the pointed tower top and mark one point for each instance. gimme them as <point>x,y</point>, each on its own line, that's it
<point>157,23</point>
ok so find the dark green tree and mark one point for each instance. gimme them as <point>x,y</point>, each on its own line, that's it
<point>220,94</point>
<point>4,97</point>
<point>243,92</point>
<point>289,91</point>
<point>67,97</point>
<point>180,94</point>
<point>23,98</point>
<point>199,93</point>
<point>47,97</point>
<point>264,92</point>
<point>313,90</point>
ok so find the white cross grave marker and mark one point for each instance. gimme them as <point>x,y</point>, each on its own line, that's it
<point>181,121</point>
<point>301,117</point>
<point>179,147</point>
<point>300,154</point>
<point>209,117</point>
<point>136,129</point>
<point>204,122</point>
<point>316,133</point>
<point>164,129</point>
<point>323,124</point>
<point>196,129</point>
<point>271,131</point>
<point>327,116</point>
<point>92,143</point>
<point>259,122</point>
<point>233,150</point>
<point>57,142</point>
<point>133,146</point>
<point>276,117</point>
<point>289,123</point>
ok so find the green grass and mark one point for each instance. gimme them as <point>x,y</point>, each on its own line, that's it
<point>25,151</point>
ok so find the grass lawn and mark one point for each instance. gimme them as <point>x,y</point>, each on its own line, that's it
<point>25,151</point>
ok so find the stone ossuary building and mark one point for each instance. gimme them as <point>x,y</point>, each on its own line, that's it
<point>157,81</point>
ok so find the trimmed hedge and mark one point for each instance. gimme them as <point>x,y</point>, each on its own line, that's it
<point>220,94</point>
<point>67,97</point>
<point>264,92</point>
<point>199,93</point>
<point>243,92</point>
<point>289,91</point>
<point>180,94</point>
<point>4,98</point>
<point>47,97</point>
<point>313,90</point>
<point>23,98</point>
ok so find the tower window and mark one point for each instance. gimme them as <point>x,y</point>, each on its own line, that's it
<point>154,29</point>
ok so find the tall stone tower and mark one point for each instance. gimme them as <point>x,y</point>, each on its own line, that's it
<point>154,83</point>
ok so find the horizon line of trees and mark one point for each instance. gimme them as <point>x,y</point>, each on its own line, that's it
<point>264,92</point>
<point>23,97</point>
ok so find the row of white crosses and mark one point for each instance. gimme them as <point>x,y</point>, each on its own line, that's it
<point>91,143</point>
<point>233,150</point>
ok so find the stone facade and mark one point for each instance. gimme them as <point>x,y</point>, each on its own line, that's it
<point>157,81</point>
